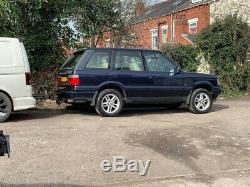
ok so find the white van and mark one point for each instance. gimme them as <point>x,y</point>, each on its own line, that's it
<point>15,78</point>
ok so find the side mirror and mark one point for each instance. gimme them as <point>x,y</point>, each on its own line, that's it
<point>4,144</point>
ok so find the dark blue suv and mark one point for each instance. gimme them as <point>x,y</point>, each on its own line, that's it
<point>108,79</point>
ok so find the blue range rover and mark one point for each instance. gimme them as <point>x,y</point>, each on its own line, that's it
<point>108,79</point>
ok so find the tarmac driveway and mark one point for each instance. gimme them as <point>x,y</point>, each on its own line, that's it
<point>60,146</point>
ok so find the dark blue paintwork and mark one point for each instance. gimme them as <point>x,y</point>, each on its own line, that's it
<point>135,86</point>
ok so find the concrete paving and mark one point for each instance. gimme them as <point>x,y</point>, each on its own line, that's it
<point>65,147</point>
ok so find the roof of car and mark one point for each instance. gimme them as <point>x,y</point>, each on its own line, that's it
<point>135,49</point>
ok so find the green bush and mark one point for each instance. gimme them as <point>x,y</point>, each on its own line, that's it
<point>225,44</point>
<point>183,55</point>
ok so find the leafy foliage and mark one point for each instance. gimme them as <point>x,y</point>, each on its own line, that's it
<point>42,25</point>
<point>225,44</point>
<point>183,55</point>
<point>99,17</point>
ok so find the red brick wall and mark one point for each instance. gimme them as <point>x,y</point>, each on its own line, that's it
<point>142,29</point>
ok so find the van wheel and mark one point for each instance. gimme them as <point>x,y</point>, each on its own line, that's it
<point>109,103</point>
<point>201,101</point>
<point>5,107</point>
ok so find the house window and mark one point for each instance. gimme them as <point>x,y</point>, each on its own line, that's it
<point>154,38</point>
<point>107,43</point>
<point>192,26</point>
<point>164,33</point>
<point>196,1</point>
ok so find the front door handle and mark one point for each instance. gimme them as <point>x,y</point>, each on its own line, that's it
<point>150,77</point>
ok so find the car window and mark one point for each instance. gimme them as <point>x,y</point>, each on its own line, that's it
<point>72,61</point>
<point>99,60</point>
<point>128,61</point>
<point>157,62</point>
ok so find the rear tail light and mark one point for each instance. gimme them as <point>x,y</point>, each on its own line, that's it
<point>74,80</point>
<point>28,78</point>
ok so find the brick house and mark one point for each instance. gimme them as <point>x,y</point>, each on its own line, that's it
<point>176,21</point>
<point>172,21</point>
<point>168,22</point>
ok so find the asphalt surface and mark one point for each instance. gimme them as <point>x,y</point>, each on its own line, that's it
<point>62,147</point>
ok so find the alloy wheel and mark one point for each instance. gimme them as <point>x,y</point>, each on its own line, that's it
<point>110,103</point>
<point>202,101</point>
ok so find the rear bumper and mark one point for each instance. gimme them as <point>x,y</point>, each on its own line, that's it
<point>73,97</point>
<point>23,103</point>
<point>216,92</point>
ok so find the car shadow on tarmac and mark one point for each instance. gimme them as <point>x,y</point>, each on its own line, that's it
<point>132,111</point>
<point>128,111</point>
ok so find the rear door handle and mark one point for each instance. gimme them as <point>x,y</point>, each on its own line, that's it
<point>150,77</point>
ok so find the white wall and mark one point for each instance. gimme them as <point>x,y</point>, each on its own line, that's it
<point>220,9</point>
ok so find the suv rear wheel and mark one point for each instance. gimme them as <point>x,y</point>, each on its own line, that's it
<point>109,103</point>
<point>201,101</point>
<point>5,107</point>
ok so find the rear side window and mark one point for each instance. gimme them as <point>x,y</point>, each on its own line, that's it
<point>72,61</point>
<point>128,61</point>
<point>99,60</point>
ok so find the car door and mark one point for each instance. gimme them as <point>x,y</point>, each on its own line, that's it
<point>129,70</point>
<point>164,83</point>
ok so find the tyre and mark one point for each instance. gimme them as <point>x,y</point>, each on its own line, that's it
<point>201,101</point>
<point>173,105</point>
<point>5,107</point>
<point>109,103</point>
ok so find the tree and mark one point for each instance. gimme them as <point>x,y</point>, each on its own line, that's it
<point>225,44</point>
<point>183,55</point>
<point>102,17</point>
<point>43,27</point>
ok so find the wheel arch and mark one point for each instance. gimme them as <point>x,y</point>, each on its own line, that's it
<point>115,86</point>
<point>9,96</point>
<point>203,84</point>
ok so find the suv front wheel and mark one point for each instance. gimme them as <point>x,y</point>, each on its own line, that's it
<point>109,103</point>
<point>201,101</point>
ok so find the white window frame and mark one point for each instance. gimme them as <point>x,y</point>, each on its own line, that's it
<point>164,27</point>
<point>154,33</point>
<point>196,1</point>
<point>192,21</point>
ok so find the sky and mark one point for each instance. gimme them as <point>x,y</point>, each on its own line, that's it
<point>154,1</point>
